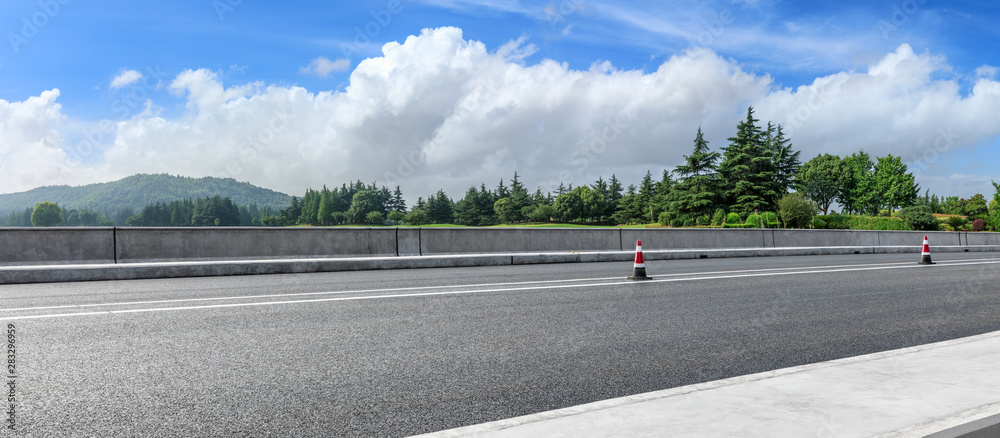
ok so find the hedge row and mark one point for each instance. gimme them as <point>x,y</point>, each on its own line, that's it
<point>841,222</point>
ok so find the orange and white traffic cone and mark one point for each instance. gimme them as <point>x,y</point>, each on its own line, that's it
<point>925,255</point>
<point>639,269</point>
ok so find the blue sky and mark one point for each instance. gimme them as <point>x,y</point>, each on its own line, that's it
<point>473,90</point>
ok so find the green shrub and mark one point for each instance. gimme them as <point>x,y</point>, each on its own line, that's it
<point>753,220</point>
<point>770,219</point>
<point>884,213</point>
<point>796,210</point>
<point>688,222</point>
<point>719,218</point>
<point>734,219</point>
<point>818,223</point>
<point>956,222</point>
<point>664,219</point>
<point>837,221</point>
<point>920,218</point>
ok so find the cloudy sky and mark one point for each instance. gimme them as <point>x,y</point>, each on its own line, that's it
<point>432,94</point>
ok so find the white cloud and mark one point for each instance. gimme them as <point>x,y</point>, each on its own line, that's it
<point>440,112</point>
<point>895,107</point>
<point>31,152</point>
<point>322,66</point>
<point>125,78</point>
<point>987,71</point>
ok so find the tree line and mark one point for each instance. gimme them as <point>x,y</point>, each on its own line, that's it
<point>213,211</point>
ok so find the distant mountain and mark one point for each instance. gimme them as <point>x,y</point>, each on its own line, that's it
<point>139,190</point>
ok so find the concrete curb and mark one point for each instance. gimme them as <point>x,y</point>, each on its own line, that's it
<point>135,271</point>
<point>957,425</point>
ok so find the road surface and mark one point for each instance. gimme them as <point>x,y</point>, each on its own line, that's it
<point>394,353</point>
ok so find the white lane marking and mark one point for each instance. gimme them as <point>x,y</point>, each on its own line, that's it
<point>358,291</point>
<point>470,292</point>
<point>299,294</point>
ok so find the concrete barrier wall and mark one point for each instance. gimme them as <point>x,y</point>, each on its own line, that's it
<point>983,238</point>
<point>164,244</point>
<point>23,246</point>
<point>31,246</point>
<point>812,238</point>
<point>905,238</point>
<point>693,238</point>
<point>509,240</point>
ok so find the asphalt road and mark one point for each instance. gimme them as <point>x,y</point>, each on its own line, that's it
<point>394,353</point>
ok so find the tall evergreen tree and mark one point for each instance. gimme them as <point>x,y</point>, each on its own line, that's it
<point>661,200</point>
<point>519,199</point>
<point>440,209</point>
<point>626,211</point>
<point>644,198</point>
<point>484,206</point>
<point>786,160</point>
<point>397,203</point>
<point>695,193</point>
<point>466,210</point>
<point>748,170</point>
<point>501,191</point>
<point>614,196</point>
<point>326,203</point>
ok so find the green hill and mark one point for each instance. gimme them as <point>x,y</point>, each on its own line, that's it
<point>137,191</point>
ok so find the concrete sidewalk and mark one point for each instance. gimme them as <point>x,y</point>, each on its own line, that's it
<point>946,389</point>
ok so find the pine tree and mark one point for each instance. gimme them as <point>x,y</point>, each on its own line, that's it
<point>440,209</point>
<point>398,203</point>
<point>625,211</point>
<point>326,203</point>
<point>519,199</point>
<point>466,211</point>
<point>614,196</point>
<point>644,198</point>
<point>786,160</point>
<point>748,170</point>
<point>484,206</point>
<point>502,191</point>
<point>661,200</point>
<point>696,193</point>
<point>601,189</point>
